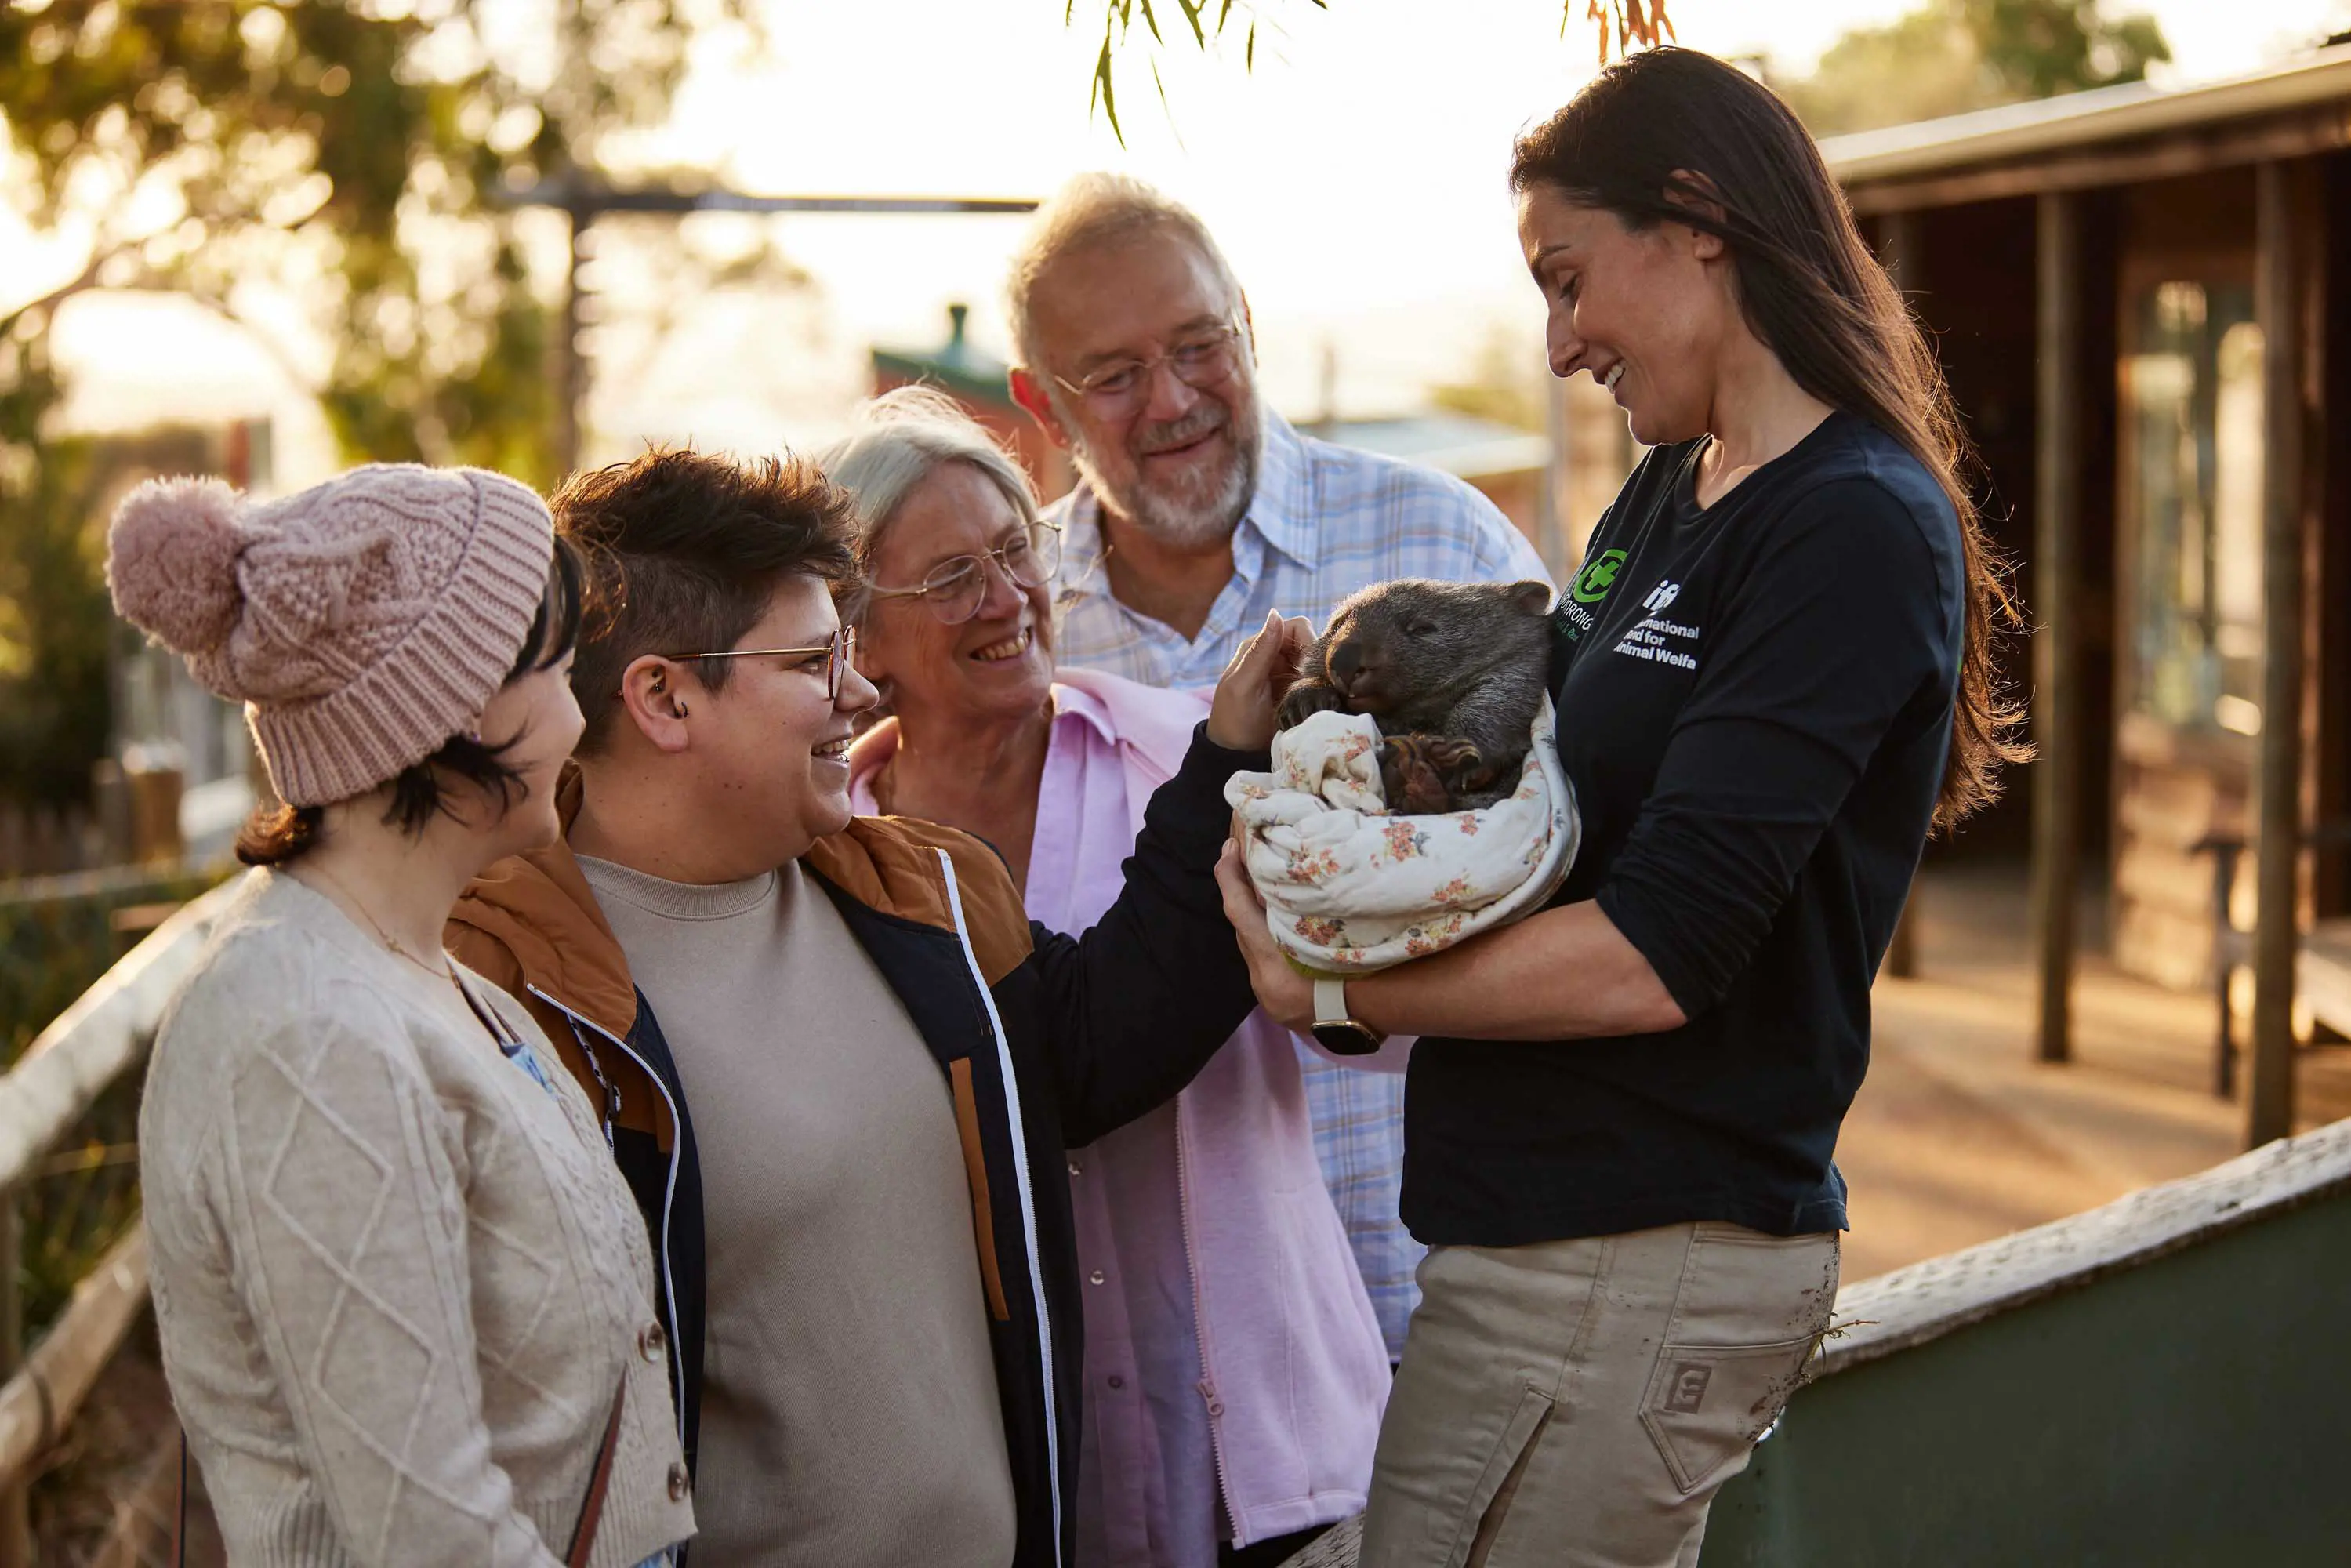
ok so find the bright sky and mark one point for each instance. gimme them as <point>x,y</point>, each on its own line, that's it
<point>1355,178</point>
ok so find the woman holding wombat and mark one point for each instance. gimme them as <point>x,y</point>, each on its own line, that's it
<point>1772,677</point>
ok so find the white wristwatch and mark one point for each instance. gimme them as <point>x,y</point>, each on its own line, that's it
<point>1334,1029</point>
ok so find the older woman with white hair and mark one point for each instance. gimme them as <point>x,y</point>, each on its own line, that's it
<point>1234,1373</point>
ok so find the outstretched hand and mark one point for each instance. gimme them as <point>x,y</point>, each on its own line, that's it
<point>1287,996</point>
<point>1240,716</point>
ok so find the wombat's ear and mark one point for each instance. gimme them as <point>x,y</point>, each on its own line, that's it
<point>1532,597</point>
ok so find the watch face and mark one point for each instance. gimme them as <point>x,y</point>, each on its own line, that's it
<point>1346,1038</point>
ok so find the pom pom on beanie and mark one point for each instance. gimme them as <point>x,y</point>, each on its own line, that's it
<point>171,557</point>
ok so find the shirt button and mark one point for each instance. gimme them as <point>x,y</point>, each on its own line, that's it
<point>1116,1381</point>
<point>1076,1169</point>
<point>1096,1276</point>
<point>651,1341</point>
<point>677,1482</point>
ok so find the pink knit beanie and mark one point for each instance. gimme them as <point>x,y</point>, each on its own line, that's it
<point>362,622</point>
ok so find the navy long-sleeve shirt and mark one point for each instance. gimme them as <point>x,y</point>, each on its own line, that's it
<point>1755,704</point>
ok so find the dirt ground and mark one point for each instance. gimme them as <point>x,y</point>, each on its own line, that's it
<point>1958,1135</point>
<point>108,1495</point>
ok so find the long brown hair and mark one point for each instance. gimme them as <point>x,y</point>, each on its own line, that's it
<point>1674,135</point>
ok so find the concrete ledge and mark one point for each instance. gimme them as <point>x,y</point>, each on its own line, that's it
<point>1914,1305</point>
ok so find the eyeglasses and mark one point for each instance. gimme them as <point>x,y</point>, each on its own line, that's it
<point>955,588</point>
<point>838,651</point>
<point>1122,386</point>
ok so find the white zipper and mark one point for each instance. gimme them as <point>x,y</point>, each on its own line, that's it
<point>1210,1398</point>
<point>669,1190</point>
<point>1028,1199</point>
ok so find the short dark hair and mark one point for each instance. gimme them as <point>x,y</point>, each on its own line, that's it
<point>281,834</point>
<point>685,550</point>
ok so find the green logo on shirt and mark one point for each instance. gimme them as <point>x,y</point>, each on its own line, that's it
<point>1598,576</point>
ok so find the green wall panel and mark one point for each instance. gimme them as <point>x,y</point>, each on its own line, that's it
<point>2194,1411</point>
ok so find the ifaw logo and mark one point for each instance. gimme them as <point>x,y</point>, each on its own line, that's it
<point>1665,593</point>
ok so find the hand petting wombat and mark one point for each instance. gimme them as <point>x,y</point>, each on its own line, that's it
<point>1452,672</point>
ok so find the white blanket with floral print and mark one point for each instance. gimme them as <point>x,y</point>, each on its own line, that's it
<point>1349,888</point>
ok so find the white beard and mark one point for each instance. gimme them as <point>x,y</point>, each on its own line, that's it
<point>1187,521</point>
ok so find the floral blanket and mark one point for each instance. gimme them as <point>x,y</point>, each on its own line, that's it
<point>1349,888</point>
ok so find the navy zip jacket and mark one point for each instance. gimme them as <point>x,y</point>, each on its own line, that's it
<point>1044,1042</point>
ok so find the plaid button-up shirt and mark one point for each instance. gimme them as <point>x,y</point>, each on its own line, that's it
<point>1325,522</point>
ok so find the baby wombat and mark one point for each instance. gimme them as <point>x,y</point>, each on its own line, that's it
<point>1452,673</point>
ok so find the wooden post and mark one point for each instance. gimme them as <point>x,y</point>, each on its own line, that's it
<point>2056,601</point>
<point>571,370</point>
<point>2279,208</point>
<point>1553,533</point>
<point>1899,251</point>
<point>15,1521</point>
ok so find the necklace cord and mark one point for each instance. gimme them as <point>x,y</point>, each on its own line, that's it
<point>390,944</point>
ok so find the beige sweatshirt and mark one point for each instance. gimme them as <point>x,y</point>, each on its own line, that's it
<point>398,1282</point>
<point>849,1406</point>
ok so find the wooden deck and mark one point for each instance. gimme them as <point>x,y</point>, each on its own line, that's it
<point>1960,1137</point>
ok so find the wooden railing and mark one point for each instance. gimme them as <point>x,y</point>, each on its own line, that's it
<point>53,1084</point>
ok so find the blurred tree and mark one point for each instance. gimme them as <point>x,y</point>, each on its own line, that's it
<point>1952,55</point>
<point>1508,382</point>
<point>351,157</point>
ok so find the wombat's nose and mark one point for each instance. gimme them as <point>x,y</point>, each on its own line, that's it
<point>1345,660</point>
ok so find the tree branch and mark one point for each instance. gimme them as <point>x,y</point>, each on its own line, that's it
<point>1623,26</point>
<point>83,281</point>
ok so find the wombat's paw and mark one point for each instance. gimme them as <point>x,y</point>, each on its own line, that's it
<point>1304,700</point>
<point>1418,772</point>
<point>1452,755</point>
<point>1480,783</point>
<point>1412,787</point>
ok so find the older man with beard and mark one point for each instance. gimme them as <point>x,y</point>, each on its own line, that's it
<point>1198,510</point>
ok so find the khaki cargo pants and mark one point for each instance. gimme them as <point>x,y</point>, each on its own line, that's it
<point>1579,1403</point>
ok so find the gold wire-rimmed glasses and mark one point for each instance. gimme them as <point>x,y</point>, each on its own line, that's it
<point>839,650</point>
<point>955,588</point>
<point>1202,360</point>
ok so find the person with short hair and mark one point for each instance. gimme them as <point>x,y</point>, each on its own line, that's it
<point>836,1059</point>
<point>1234,1370</point>
<point>1199,511</point>
<point>403,1297</point>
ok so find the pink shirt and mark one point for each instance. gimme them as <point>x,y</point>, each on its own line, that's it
<point>1234,1371</point>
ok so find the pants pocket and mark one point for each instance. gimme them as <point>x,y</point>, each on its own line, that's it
<point>1748,1311</point>
<point>1475,1533</point>
<point>1707,1404</point>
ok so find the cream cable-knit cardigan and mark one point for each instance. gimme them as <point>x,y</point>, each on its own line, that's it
<point>397,1280</point>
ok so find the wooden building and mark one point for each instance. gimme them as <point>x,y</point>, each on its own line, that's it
<point>1509,466</point>
<point>2143,300</point>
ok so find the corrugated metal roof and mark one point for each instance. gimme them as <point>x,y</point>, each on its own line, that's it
<point>1459,445</point>
<point>2073,121</point>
